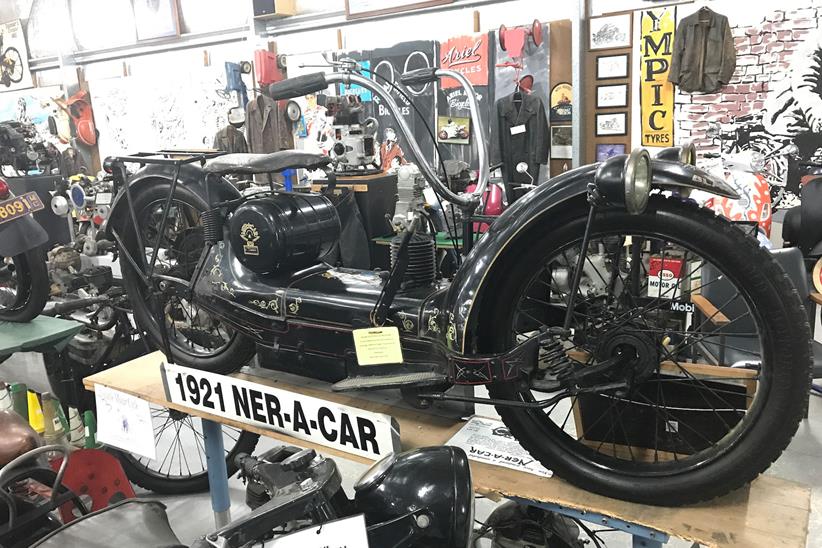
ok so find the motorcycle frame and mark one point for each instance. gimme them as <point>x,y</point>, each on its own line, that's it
<point>444,319</point>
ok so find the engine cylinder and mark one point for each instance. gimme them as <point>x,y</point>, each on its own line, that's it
<point>282,232</point>
<point>422,260</point>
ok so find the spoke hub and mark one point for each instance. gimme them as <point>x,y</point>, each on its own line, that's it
<point>640,357</point>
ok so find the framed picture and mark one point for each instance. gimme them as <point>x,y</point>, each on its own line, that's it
<point>355,9</point>
<point>612,66</point>
<point>561,144</point>
<point>454,130</point>
<point>561,108</point>
<point>615,95</point>
<point>156,19</point>
<point>606,150</point>
<point>612,124</point>
<point>610,32</point>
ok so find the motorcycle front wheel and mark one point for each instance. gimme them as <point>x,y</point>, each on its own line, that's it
<point>24,286</point>
<point>708,341</point>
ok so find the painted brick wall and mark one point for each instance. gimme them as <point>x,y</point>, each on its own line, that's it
<point>763,52</point>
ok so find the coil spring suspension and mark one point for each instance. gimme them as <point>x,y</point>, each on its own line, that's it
<point>212,221</point>
<point>556,359</point>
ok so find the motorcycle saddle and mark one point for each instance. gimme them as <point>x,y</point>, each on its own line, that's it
<point>265,163</point>
<point>132,523</point>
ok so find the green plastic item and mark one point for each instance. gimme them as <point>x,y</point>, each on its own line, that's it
<point>20,399</point>
<point>91,429</point>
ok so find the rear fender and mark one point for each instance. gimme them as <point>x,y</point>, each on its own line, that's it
<point>507,239</point>
<point>192,177</point>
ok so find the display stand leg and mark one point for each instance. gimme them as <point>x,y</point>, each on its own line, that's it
<point>217,474</point>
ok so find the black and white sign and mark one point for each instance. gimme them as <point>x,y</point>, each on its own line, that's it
<point>349,429</point>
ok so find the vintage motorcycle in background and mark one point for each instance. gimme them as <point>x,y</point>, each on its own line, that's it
<point>622,334</point>
<point>24,282</point>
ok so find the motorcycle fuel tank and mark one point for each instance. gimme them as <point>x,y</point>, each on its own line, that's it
<point>284,231</point>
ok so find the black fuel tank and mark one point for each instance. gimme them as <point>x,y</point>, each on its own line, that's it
<point>283,232</point>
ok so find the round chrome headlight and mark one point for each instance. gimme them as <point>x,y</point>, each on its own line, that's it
<point>376,472</point>
<point>637,179</point>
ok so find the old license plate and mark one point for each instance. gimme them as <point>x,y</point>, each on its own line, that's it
<point>19,205</point>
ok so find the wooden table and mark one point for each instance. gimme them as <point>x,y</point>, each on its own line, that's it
<point>769,513</point>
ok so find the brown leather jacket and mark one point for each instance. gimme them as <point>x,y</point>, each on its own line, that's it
<point>704,57</point>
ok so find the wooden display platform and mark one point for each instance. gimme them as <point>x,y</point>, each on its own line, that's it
<point>769,513</point>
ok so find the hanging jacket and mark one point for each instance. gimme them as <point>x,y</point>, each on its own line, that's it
<point>266,126</point>
<point>230,139</point>
<point>704,57</point>
<point>523,136</point>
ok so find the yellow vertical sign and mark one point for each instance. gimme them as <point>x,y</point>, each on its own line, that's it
<point>656,92</point>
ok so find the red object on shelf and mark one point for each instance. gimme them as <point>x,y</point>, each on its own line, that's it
<point>265,64</point>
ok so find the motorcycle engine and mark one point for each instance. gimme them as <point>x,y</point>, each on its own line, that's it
<point>283,231</point>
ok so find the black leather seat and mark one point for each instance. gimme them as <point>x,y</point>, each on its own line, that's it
<point>132,523</point>
<point>251,164</point>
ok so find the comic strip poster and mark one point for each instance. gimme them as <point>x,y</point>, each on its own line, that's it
<point>14,58</point>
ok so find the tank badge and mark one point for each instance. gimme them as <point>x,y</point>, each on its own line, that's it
<point>408,325</point>
<point>250,235</point>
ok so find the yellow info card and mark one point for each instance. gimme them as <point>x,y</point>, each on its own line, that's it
<point>377,345</point>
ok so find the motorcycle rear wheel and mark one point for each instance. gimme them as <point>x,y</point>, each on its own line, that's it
<point>197,339</point>
<point>24,286</point>
<point>621,462</point>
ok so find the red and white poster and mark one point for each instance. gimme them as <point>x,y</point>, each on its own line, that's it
<point>664,277</point>
<point>467,55</point>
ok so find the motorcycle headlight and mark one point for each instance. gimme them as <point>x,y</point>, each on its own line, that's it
<point>685,154</point>
<point>637,177</point>
<point>757,162</point>
<point>375,473</point>
<point>436,480</point>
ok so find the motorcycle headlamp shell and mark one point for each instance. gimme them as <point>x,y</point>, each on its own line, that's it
<point>625,180</point>
<point>432,483</point>
<point>685,154</point>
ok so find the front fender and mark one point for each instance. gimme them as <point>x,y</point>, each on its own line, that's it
<point>20,235</point>
<point>555,196</point>
<point>192,177</point>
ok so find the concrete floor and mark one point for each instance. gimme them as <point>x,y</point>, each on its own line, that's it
<point>191,515</point>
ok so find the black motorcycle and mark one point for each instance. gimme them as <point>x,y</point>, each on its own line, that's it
<point>639,346</point>
<point>24,280</point>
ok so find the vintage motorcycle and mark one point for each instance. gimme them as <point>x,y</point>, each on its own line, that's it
<point>638,345</point>
<point>24,279</point>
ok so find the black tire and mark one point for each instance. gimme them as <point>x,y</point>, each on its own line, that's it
<point>151,480</point>
<point>768,424</point>
<point>32,289</point>
<point>237,352</point>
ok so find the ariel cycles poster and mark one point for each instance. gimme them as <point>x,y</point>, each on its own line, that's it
<point>655,91</point>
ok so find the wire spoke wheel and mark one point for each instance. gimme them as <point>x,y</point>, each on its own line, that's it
<point>180,463</point>
<point>673,367</point>
<point>13,283</point>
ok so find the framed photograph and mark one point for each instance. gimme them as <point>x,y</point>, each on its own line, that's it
<point>615,123</point>
<point>612,66</point>
<point>615,95</point>
<point>156,19</point>
<point>454,130</point>
<point>561,144</point>
<point>610,32</point>
<point>606,150</point>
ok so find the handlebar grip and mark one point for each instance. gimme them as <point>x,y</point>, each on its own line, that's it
<point>298,86</point>
<point>419,76</point>
<point>709,155</point>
